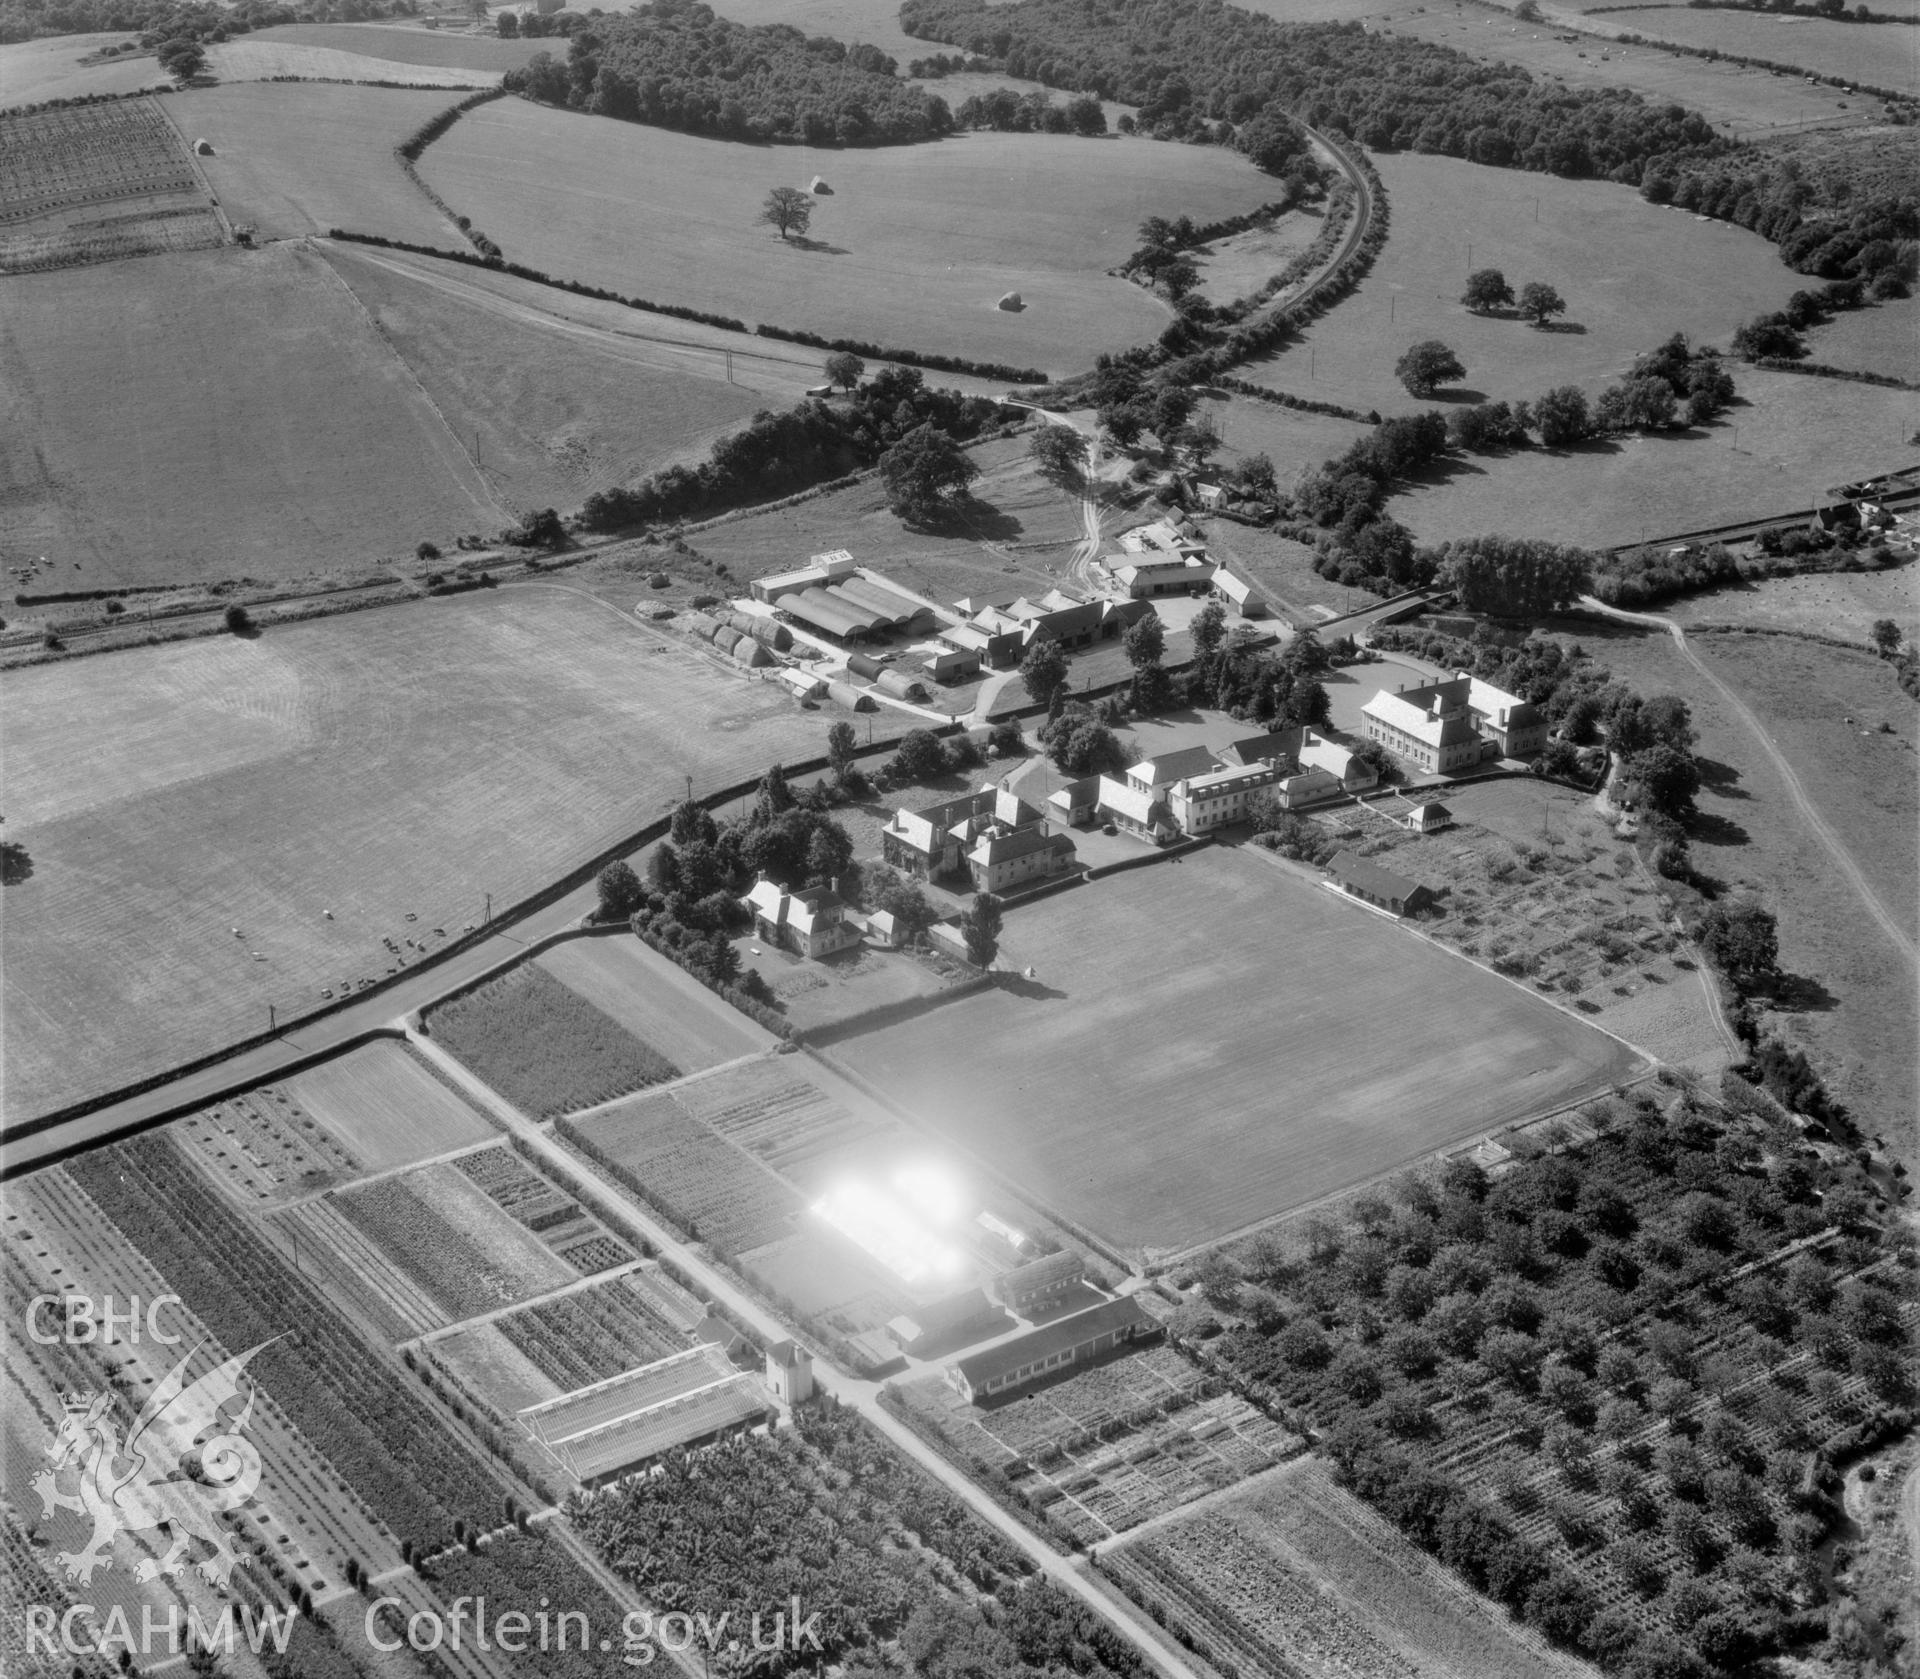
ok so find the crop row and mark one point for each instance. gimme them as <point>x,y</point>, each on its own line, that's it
<point>587,1337</point>
<point>456,1270</point>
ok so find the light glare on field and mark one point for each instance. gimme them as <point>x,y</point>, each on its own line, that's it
<point>900,1224</point>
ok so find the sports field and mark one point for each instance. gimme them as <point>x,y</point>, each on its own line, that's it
<point>1776,451</point>
<point>1632,273</point>
<point>216,414</point>
<point>393,764</point>
<point>555,409</point>
<point>915,246</point>
<point>298,158</point>
<point>1171,1074</point>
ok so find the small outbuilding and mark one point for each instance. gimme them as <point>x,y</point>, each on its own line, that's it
<point>1360,877</point>
<point>1429,818</point>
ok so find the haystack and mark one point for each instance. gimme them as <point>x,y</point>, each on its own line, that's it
<point>202,148</point>
<point>1011,302</point>
<point>820,187</point>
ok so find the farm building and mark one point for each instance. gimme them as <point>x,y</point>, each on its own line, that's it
<point>946,1322</point>
<point>599,1433</point>
<point>854,699</point>
<point>1077,804</point>
<point>930,843</point>
<point>1353,773</point>
<point>1058,616</point>
<point>1429,818</point>
<point>1210,496</point>
<point>899,684</point>
<point>1038,1283</point>
<point>1443,726</point>
<point>951,664</point>
<point>1239,594</point>
<point>790,1373</point>
<point>883,927</point>
<point>991,644</point>
<point>717,1332</point>
<point>1000,862</point>
<point>1148,579</point>
<point>812,923</point>
<point>821,570</point>
<point>1164,536</point>
<point>804,683</point>
<point>1051,1349</point>
<point>1360,877</point>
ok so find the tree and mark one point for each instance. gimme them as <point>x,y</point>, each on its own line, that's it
<point>508,24</point>
<point>773,798</point>
<point>1539,302</point>
<point>238,621</point>
<point>1886,637</point>
<point>980,928</point>
<point>182,58</point>
<point>1173,406</point>
<point>842,744</point>
<point>1208,630</point>
<point>788,210</point>
<point>845,369</point>
<point>1426,365</point>
<point>1060,452</point>
<point>620,891</point>
<point>924,472</point>
<point>1561,417</point>
<point>1044,670</point>
<point>1487,288</point>
<point>1663,780</point>
<point>1742,939</point>
<point>1515,577</point>
<point>1145,642</point>
<point>919,757</point>
<point>1123,422</point>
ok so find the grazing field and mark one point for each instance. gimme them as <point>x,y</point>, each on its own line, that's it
<point>914,248</point>
<point>404,762</point>
<point>1632,273</point>
<point>1776,451</point>
<point>556,410</point>
<point>216,414</point>
<point>1244,262</point>
<point>875,22</point>
<point>1012,505</point>
<point>95,183</point>
<point>544,1047</point>
<point>654,1000</point>
<point>1883,339</point>
<point>1856,1019</point>
<point>1880,54</point>
<point>253,59</point>
<point>1289,1573</point>
<point>1836,603</point>
<point>388,1110</point>
<point>1284,570</point>
<point>292,159</point>
<point>1247,1078</point>
<point>406,45</point>
<point>32,72</point>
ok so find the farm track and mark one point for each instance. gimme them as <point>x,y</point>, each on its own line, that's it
<point>1822,830</point>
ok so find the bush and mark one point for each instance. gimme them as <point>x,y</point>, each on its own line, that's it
<point>237,620</point>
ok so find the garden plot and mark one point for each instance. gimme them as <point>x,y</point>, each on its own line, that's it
<point>587,1336</point>
<point>492,1366</point>
<point>544,1208</point>
<point>1109,1447</point>
<point>262,1147</point>
<point>95,182</point>
<point>655,1001</point>
<point>1289,1573</point>
<point>387,1106</point>
<point>784,1119</point>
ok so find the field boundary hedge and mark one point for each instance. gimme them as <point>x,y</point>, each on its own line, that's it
<point>1281,399</point>
<point>912,358</point>
<point>1149,858</point>
<point>889,1014</point>
<point>1826,370</point>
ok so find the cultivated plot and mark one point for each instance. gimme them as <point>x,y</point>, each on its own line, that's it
<point>406,45</point>
<point>1776,451</point>
<point>406,762</point>
<point>292,159</point>
<point>915,247</point>
<point>655,1001</point>
<point>1209,1043</point>
<point>32,72</point>
<point>386,1107</point>
<point>216,414</point>
<point>1632,273</point>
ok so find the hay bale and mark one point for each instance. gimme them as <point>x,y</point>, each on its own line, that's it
<point>751,653</point>
<point>1011,303</point>
<point>820,187</point>
<point>202,148</point>
<point>698,623</point>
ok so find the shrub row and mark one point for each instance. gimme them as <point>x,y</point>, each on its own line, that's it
<point>1822,370</point>
<point>1301,404</point>
<point>435,126</point>
<point>912,358</point>
<point>86,99</point>
<point>1715,56</point>
<point>755,1011</point>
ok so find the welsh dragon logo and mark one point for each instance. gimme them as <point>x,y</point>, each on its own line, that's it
<point>164,1475</point>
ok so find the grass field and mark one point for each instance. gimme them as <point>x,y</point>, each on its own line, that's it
<point>1883,339</point>
<point>1786,439</point>
<point>292,158</point>
<point>410,761</point>
<point>252,59</point>
<point>1244,262</point>
<point>1632,273</point>
<point>406,44</point>
<point>1858,1025</point>
<point>914,248</point>
<point>655,1001</point>
<point>1284,569</point>
<point>558,409</point>
<point>1839,603</point>
<point>188,416</point>
<point>1248,1078</point>
<point>1880,54</point>
<point>543,1047</point>
<point>33,71</point>
<point>386,1108</point>
<point>1319,1583</point>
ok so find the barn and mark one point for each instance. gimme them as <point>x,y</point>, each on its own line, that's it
<point>1050,1350</point>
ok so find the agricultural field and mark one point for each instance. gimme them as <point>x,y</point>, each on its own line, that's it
<point>1879,54</point>
<point>1787,438</point>
<point>292,159</point>
<point>915,246</point>
<point>32,72</point>
<point>407,45</point>
<point>1882,339</point>
<point>1267,1053</point>
<point>654,1000</point>
<point>783,1118</point>
<point>96,183</point>
<point>552,409</point>
<point>1109,1447</point>
<point>402,763</point>
<point>253,59</point>
<point>1633,274</point>
<point>160,450</point>
<point>1243,262</point>
<point>386,1106</point>
<point>543,1047</point>
<point>263,1147</point>
<point>1290,1573</point>
<point>1835,603</point>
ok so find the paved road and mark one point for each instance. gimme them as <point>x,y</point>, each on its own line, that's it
<point>1823,830</point>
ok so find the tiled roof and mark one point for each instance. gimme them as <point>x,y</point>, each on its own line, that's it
<point>1170,767</point>
<point>1351,869</point>
<point>1004,848</point>
<point>1060,1336</point>
<point>1253,749</point>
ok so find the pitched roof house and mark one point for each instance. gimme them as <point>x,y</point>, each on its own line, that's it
<point>935,841</point>
<point>1443,726</point>
<point>1001,861</point>
<point>812,923</point>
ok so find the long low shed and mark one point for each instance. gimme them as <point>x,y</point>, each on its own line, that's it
<point>825,610</point>
<point>903,610</point>
<point>900,685</point>
<point>764,630</point>
<point>844,693</point>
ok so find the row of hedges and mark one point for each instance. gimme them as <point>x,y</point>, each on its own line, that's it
<point>1300,404</point>
<point>1822,370</point>
<point>912,358</point>
<point>754,1010</point>
<point>86,99</point>
<point>1715,56</point>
